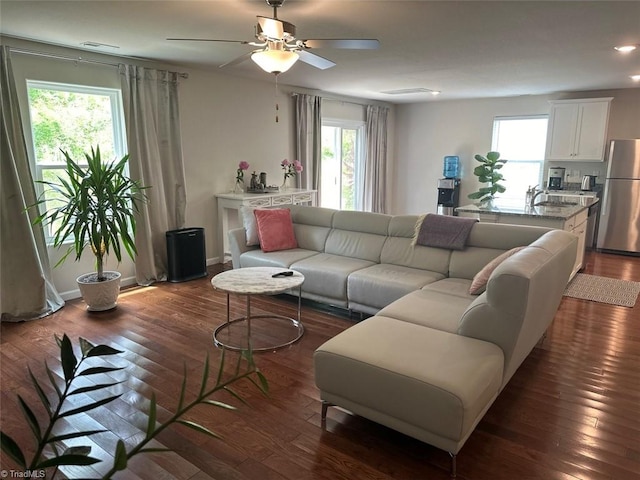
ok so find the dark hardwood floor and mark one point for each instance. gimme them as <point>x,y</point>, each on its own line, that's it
<point>572,410</point>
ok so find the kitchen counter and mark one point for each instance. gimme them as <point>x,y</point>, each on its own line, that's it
<point>565,212</point>
<point>559,212</point>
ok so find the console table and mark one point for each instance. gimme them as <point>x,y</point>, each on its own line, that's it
<point>229,205</point>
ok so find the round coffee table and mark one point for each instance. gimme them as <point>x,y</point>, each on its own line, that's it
<point>270,331</point>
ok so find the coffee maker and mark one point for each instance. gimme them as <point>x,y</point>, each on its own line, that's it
<point>555,179</point>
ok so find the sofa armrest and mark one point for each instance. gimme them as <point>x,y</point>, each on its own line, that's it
<point>238,245</point>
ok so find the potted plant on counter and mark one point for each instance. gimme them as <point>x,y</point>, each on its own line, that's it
<point>94,206</point>
<point>487,172</point>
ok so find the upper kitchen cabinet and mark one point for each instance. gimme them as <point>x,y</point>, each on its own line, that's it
<point>578,130</point>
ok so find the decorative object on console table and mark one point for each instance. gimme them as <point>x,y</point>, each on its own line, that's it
<point>487,172</point>
<point>242,166</point>
<point>290,170</point>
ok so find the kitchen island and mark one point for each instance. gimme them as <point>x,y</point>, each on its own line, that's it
<point>568,213</point>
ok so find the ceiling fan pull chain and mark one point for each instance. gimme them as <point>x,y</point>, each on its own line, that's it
<point>277,106</point>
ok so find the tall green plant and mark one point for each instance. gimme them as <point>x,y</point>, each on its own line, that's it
<point>487,172</point>
<point>95,207</point>
<point>50,453</point>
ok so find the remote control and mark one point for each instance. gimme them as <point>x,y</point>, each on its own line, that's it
<point>283,274</point>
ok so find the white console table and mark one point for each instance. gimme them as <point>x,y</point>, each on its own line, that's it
<point>229,205</point>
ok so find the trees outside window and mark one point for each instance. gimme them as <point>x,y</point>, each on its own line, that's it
<point>341,168</point>
<point>73,118</point>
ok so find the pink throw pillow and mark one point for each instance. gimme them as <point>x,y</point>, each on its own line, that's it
<point>479,283</point>
<point>275,229</point>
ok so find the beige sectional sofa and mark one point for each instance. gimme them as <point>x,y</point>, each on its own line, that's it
<point>433,358</point>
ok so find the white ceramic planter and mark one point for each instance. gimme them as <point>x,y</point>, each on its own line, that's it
<point>100,296</point>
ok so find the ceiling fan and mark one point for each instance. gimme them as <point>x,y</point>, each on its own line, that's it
<point>277,47</point>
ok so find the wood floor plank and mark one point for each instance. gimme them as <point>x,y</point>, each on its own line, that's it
<point>571,411</point>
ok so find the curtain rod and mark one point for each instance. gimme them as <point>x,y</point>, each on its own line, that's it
<point>72,59</point>
<point>334,99</point>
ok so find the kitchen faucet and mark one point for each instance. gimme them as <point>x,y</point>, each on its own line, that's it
<point>534,194</point>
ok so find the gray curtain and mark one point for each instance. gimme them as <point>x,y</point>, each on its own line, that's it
<point>308,124</point>
<point>375,165</point>
<point>26,289</point>
<point>152,121</point>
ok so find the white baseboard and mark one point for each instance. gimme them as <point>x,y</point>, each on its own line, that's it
<point>213,261</point>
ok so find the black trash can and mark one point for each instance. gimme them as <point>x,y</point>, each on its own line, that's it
<point>186,254</point>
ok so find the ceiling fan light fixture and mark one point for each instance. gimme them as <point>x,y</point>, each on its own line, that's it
<point>625,48</point>
<point>275,61</point>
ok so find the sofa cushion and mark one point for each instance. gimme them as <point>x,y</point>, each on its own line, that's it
<point>326,274</point>
<point>429,308</point>
<point>458,287</point>
<point>381,284</point>
<point>281,258</point>
<point>414,379</point>
<point>275,229</point>
<point>479,282</point>
<point>250,225</point>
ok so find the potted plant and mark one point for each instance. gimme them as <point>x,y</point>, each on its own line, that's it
<point>94,206</point>
<point>487,172</point>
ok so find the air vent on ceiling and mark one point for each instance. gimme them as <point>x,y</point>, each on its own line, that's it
<point>98,45</point>
<point>408,91</point>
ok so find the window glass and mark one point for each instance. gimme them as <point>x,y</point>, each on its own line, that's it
<point>520,140</point>
<point>341,177</point>
<point>73,118</point>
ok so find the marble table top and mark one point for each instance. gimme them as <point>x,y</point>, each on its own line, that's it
<point>256,281</point>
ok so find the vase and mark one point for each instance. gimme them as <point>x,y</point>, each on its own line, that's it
<point>285,183</point>
<point>239,187</point>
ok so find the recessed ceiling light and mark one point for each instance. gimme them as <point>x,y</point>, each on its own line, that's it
<point>407,91</point>
<point>626,48</point>
<point>635,78</point>
<point>435,92</point>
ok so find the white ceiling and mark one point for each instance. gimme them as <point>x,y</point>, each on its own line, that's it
<point>466,49</point>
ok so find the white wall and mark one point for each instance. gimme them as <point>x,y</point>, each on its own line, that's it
<point>427,132</point>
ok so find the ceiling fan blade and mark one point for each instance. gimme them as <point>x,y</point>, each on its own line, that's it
<point>242,42</point>
<point>355,43</point>
<point>315,60</point>
<point>237,60</point>
<point>271,27</point>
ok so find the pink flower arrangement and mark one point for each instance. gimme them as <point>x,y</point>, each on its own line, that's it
<point>291,168</point>
<point>242,166</point>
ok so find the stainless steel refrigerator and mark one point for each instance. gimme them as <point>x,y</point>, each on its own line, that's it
<point>619,227</point>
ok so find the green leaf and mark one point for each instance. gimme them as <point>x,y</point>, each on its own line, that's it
<point>228,389</point>
<point>81,460</point>
<point>95,370</point>
<point>52,380</point>
<point>199,428</point>
<point>493,156</point>
<point>103,350</point>
<point>151,424</point>
<point>120,459</point>
<point>205,376</point>
<point>40,391</point>
<point>11,448</point>
<point>92,388</point>
<point>68,436</point>
<point>215,403</point>
<point>31,419</point>
<point>90,406</point>
<point>183,387</point>
<point>67,358</point>
<point>263,382</point>
<point>85,346</point>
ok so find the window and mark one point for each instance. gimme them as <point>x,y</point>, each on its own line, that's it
<point>341,169</point>
<point>72,118</point>
<point>520,140</point>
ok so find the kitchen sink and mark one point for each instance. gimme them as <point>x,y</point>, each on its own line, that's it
<point>555,203</point>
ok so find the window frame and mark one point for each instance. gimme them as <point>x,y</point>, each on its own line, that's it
<point>532,161</point>
<point>359,152</point>
<point>117,125</point>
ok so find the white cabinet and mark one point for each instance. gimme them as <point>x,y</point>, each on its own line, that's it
<point>578,226</point>
<point>578,130</point>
